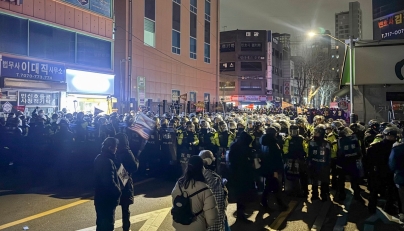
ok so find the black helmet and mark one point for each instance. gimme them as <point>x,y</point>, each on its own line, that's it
<point>294,130</point>
<point>390,131</point>
<point>373,124</point>
<point>383,126</point>
<point>320,129</point>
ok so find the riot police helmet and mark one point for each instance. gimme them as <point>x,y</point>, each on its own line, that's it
<point>164,122</point>
<point>222,126</point>
<point>390,131</point>
<point>383,126</point>
<point>277,126</point>
<point>232,125</point>
<point>204,124</point>
<point>319,131</point>
<point>271,131</point>
<point>373,124</point>
<point>294,130</point>
<point>336,125</point>
<point>345,132</point>
<point>194,120</point>
<point>190,127</point>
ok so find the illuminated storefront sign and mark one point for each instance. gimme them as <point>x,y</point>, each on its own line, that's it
<point>84,82</point>
<point>390,27</point>
<point>33,70</point>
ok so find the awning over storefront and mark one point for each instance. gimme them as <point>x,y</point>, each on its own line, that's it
<point>14,83</point>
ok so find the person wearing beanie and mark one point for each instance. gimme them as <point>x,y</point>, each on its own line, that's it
<point>107,185</point>
<point>218,187</point>
<point>203,203</point>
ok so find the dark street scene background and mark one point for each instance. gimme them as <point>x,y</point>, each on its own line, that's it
<point>194,115</point>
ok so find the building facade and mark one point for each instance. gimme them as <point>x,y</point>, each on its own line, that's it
<point>53,52</point>
<point>349,23</point>
<point>164,49</point>
<point>388,19</point>
<point>255,68</point>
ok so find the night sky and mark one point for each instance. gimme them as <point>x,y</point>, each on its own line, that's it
<point>289,16</point>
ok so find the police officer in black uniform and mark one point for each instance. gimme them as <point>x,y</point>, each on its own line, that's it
<point>349,162</point>
<point>380,175</point>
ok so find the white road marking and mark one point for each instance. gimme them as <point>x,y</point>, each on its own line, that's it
<point>153,220</point>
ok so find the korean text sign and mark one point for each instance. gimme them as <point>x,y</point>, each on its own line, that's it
<point>34,70</point>
<point>37,99</point>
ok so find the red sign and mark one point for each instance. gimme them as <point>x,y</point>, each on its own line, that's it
<point>20,108</point>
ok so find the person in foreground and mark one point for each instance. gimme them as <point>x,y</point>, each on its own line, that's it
<point>130,163</point>
<point>194,206</point>
<point>107,186</point>
<point>215,182</point>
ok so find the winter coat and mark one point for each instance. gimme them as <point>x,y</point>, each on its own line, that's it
<point>202,201</point>
<point>125,157</point>
<point>396,163</point>
<point>271,155</point>
<point>214,181</point>
<point>107,185</point>
<point>241,165</point>
<point>378,159</point>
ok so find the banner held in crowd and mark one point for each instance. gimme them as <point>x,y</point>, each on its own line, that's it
<point>143,125</point>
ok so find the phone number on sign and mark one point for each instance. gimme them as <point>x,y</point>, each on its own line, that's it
<point>389,34</point>
<point>30,76</point>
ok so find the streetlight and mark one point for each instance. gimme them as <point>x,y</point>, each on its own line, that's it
<point>350,46</point>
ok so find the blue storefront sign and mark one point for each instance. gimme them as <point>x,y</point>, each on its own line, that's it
<point>102,7</point>
<point>34,70</point>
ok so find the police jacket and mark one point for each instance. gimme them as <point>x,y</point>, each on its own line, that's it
<point>396,163</point>
<point>107,185</point>
<point>271,154</point>
<point>224,139</point>
<point>349,150</point>
<point>206,137</point>
<point>294,147</point>
<point>319,153</point>
<point>378,157</point>
<point>332,138</point>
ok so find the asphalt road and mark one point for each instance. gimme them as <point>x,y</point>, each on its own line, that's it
<point>42,206</point>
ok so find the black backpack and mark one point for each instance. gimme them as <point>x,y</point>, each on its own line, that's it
<point>182,208</point>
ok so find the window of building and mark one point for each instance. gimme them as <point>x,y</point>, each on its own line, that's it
<point>194,6</point>
<point>207,10</point>
<point>150,9</point>
<point>251,66</point>
<point>227,86</point>
<point>177,1</point>
<point>176,42</point>
<point>149,32</point>
<point>14,35</point>
<point>176,16</point>
<point>54,43</point>
<point>192,48</point>
<point>207,53</point>
<point>149,26</point>
<point>250,85</point>
<point>207,31</point>
<point>93,52</point>
<point>193,24</point>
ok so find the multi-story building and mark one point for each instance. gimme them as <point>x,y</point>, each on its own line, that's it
<point>349,23</point>
<point>252,67</point>
<point>56,54</point>
<point>165,49</point>
<point>388,19</point>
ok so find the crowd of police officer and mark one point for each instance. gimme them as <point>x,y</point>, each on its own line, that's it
<point>254,150</point>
